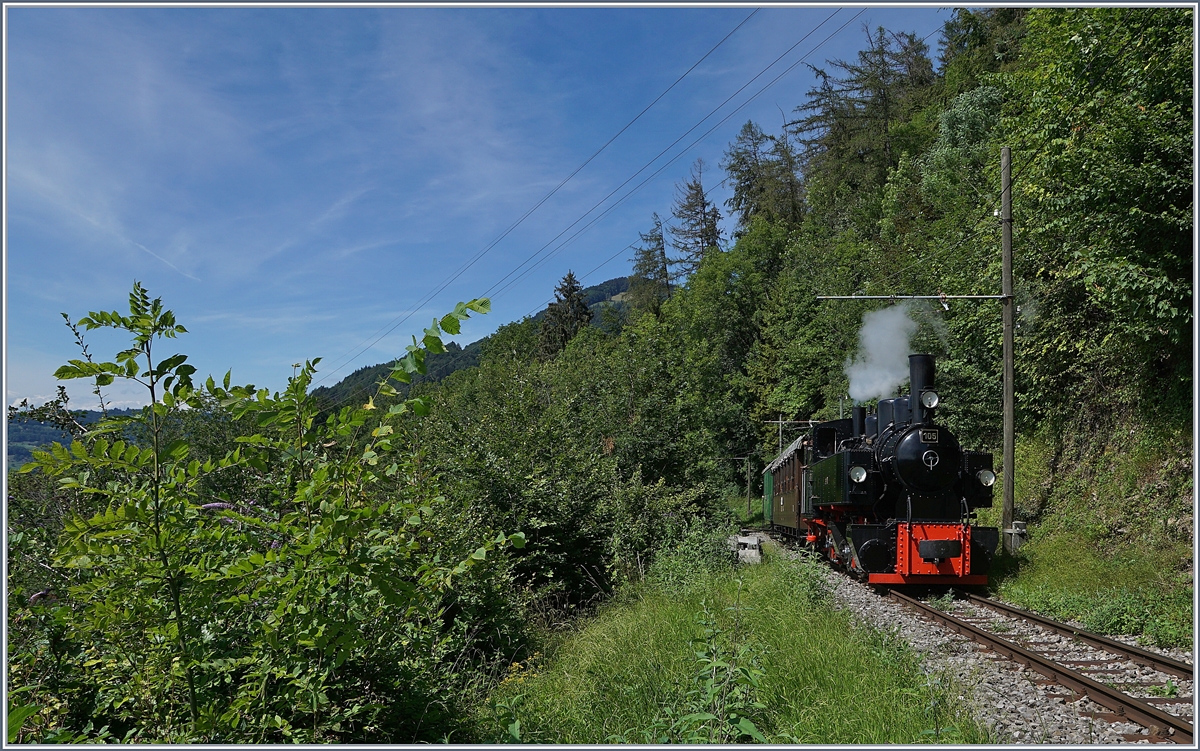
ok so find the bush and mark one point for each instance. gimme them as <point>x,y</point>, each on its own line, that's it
<point>692,552</point>
<point>314,608</point>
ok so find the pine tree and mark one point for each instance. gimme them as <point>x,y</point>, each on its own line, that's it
<point>762,170</point>
<point>650,283</point>
<point>697,232</point>
<point>565,317</point>
<point>846,128</point>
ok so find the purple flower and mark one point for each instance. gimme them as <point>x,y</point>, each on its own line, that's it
<point>45,594</point>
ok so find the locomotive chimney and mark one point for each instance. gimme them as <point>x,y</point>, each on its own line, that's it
<point>858,416</point>
<point>920,378</point>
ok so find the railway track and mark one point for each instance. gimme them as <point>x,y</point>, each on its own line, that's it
<point>1115,675</point>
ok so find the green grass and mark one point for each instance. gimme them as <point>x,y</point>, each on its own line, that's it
<point>751,518</point>
<point>1110,532</point>
<point>1122,591</point>
<point>796,669</point>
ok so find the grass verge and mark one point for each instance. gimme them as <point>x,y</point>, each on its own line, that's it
<point>1110,519</point>
<point>752,653</point>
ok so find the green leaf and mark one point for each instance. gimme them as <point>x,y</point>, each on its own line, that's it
<point>450,324</point>
<point>16,718</point>
<point>433,344</point>
<point>178,449</point>
<point>517,540</point>
<point>399,373</point>
<point>747,727</point>
<point>480,554</point>
<point>170,364</point>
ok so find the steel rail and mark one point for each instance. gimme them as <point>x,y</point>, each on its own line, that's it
<point>1120,703</point>
<point>1143,657</point>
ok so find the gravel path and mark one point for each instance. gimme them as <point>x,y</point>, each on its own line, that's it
<point>1005,697</point>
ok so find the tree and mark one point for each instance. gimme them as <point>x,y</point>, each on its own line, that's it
<point>650,284</point>
<point>1101,118</point>
<point>855,127</point>
<point>565,317</point>
<point>697,232</point>
<point>762,170</point>
<point>977,42</point>
<point>182,611</point>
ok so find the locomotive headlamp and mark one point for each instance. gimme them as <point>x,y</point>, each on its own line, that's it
<point>986,477</point>
<point>858,474</point>
<point>929,399</point>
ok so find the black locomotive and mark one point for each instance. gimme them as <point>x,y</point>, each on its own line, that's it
<point>888,496</point>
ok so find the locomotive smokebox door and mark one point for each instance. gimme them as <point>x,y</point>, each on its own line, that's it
<point>928,460</point>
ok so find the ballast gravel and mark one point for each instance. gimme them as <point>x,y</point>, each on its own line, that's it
<point>1003,695</point>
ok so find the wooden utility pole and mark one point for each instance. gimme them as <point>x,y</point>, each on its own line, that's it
<point>747,487</point>
<point>1006,515</point>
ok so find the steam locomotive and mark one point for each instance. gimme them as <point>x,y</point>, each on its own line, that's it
<point>889,497</point>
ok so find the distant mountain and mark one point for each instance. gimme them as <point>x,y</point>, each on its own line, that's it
<point>24,437</point>
<point>361,383</point>
<point>611,291</point>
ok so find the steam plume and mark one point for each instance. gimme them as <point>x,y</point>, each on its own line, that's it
<point>882,360</point>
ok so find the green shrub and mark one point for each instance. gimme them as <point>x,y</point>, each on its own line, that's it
<point>693,551</point>
<point>314,609</point>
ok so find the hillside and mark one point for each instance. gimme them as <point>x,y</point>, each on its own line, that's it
<point>537,548</point>
<point>362,382</point>
<point>25,436</point>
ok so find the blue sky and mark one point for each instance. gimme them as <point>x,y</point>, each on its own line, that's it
<point>294,181</point>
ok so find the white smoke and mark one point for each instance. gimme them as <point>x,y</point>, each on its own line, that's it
<point>882,360</point>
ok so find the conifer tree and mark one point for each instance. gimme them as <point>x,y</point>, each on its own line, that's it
<point>697,232</point>
<point>650,283</point>
<point>846,125</point>
<point>762,170</point>
<point>565,317</point>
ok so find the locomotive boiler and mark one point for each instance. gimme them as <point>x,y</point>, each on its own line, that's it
<point>889,496</point>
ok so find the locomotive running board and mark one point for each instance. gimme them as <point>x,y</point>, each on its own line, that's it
<point>926,579</point>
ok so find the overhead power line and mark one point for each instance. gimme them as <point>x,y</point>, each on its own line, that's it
<point>689,146</point>
<point>672,145</point>
<point>659,170</point>
<point>389,328</point>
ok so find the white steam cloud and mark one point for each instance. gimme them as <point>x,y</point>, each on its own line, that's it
<point>882,360</point>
